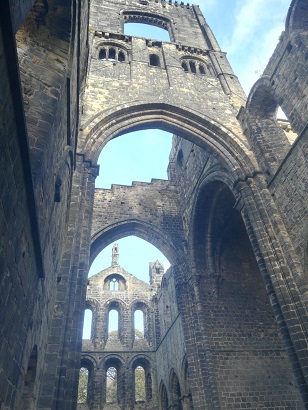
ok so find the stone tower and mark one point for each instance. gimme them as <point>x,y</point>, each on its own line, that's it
<point>227,327</point>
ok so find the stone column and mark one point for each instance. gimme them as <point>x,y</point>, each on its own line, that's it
<point>267,235</point>
<point>62,361</point>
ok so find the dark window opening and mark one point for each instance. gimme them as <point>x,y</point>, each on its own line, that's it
<point>111,385</point>
<point>192,67</point>
<point>83,386</point>
<point>112,54</point>
<point>201,69</point>
<point>154,60</point>
<point>184,66</point>
<point>102,54</point>
<point>121,56</point>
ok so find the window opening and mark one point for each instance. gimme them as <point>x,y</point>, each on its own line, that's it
<point>83,386</point>
<point>184,66</point>
<point>102,54</point>
<point>87,324</point>
<point>112,54</point>
<point>114,284</point>
<point>139,384</point>
<point>192,67</point>
<point>111,385</point>
<point>121,56</point>
<point>154,60</point>
<point>113,324</point>
<point>201,69</point>
<point>139,324</point>
<point>146,31</point>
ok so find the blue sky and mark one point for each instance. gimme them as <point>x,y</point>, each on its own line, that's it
<point>248,31</point>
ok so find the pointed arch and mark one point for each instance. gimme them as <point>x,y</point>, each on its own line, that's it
<point>232,149</point>
<point>146,231</point>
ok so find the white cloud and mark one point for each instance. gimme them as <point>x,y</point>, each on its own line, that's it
<point>258,25</point>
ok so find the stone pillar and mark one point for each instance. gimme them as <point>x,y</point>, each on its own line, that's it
<point>202,381</point>
<point>62,361</point>
<point>279,278</point>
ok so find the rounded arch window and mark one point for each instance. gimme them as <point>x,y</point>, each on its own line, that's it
<point>112,53</point>
<point>121,56</point>
<point>154,60</point>
<point>192,67</point>
<point>184,66</point>
<point>201,69</point>
<point>102,55</point>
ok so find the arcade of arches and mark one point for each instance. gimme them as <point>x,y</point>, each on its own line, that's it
<point>226,326</point>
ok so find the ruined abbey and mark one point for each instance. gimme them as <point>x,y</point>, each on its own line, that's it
<point>226,326</point>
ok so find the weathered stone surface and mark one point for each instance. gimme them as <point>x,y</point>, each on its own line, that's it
<point>227,325</point>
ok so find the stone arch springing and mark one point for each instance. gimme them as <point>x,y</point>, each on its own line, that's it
<point>28,396</point>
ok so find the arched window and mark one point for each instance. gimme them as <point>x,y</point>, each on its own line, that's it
<point>201,69</point>
<point>111,385</point>
<point>83,386</point>
<point>192,66</point>
<point>87,324</point>
<point>164,398</point>
<point>102,54</point>
<point>139,324</point>
<point>184,66</point>
<point>114,284</point>
<point>28,394</point>
<point>121,56</point>
<point>113,324</point>
<point>154,60</point>
<point>112,54</point>
<point>139,384</point>
<point>176,392</point>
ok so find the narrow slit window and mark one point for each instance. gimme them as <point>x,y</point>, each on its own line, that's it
<point>139,384</point>
<point>121,56</point>
<point>139,324</point>
<point>102,54</point>
<point>113,325</point>
<point>192,67</point>
<point>83,386</point>
<point>112,54</point>
<point>111,385</point>
<point>87,324</point>
<point>201,69</point>
<point>114,284</point>
<point>185,67</point>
